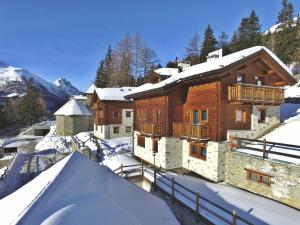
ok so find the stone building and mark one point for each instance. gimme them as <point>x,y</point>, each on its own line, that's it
<point>72,118</point>
<point>184,121</point>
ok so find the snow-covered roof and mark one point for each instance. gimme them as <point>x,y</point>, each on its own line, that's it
<point>205,67</point>
<point>77,190</point>
<point>73,108</point>
<point>79,97</point>
<point>91,89</point>
<point>166,71</point>
<point>113,94</point>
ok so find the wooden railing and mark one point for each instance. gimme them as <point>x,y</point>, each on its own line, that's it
<point>187,130</point>
<point>255,93</point>
<point>154,129</point>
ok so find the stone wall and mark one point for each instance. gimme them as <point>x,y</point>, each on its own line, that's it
<point>169,154</point>
<point>285,183</point>
<point>70,125</point>
<point>257,129</point>
<point>213,168</point>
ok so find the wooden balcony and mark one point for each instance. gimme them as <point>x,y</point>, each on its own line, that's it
<point>255,94</point>
<point>191,131</point>
<point>152,129</point>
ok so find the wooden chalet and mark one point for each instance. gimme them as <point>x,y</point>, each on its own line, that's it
<point>113,114</point>
<point>184,121</point>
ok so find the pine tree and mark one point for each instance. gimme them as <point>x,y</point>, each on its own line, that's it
<point>101,78</point>
<point>108,65</point>
<point>209,43</point>
<point>234,43</point>
<point>172,64</point>
<point>287,12</point>
<point>224,43</point>
<point>249,32</point>
<point>192,51</point>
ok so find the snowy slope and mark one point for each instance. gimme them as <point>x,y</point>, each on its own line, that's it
<point>66,87</point>
<point>276,27</point>
<point>79,191</point>
<point>15,81</point>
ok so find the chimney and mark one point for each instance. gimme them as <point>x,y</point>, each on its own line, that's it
<point>183,65</point>
<point>214,55</point>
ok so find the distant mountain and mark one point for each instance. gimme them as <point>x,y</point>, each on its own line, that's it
<point>14,82</point>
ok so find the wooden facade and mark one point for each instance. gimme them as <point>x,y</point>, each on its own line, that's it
<point>205,107</point>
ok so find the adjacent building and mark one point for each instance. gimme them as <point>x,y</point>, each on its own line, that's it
<point>185,120</point>
<point>113,114</point>
<point>72,118</point>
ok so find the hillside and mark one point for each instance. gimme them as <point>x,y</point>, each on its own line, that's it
<point>14,83</point>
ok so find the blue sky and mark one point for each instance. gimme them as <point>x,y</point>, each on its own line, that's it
<point>54,38</point>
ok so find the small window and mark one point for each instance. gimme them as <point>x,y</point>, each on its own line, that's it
<point>240,78</point>
<point>154,145</point>
<point>128,113</point>
<point>128,129</point>
<point>116,130</point>
<point>203,115</point>
<point>260,81</point>
<point>261,115</point>
<point>198,150</point>
<point>266,180</point>
<point>115,114</point>
<point>195,117</point>
<point>240,116</point>
<point>141,141</point>
<point>259,177</point>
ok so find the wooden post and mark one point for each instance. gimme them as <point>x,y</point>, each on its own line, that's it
<point>142,172</point>
<point>229,93</point>
<point>234,215</point>
<point>197,206</point>
<point>122,169</point>
<point>173,190</point>
<point>154,179</point>
<point>264,148</point>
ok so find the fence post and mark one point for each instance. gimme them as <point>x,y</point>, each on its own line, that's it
<point>142,172</point>
<point>122,169</point>
<point>173,190</point>
<point>197,206</point>
<point>154,179</point>
<point>264,148</point>
<point>234,215</point>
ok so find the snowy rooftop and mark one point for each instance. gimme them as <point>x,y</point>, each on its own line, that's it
<point>77,190</point>
<point>114,94</point>
<point>73,108</point>
<point>166,71</point>
<point>91,89</point>
<point>216,64</point>
<point>79,97</point>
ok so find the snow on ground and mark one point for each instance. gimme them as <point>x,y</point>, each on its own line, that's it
<point>53,142</point>
<point>257,209</point>
<point>90,195</point>
<point>287,133</point>
<point>292,91</point>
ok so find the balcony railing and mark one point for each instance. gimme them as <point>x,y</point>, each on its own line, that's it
<point>153,129</point>
<point>193,131</point>
<point>255,93</point>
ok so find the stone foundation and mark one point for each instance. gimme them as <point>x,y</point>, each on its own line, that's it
<point>285,181</point>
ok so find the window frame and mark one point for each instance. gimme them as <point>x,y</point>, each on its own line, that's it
<point>128,129</point>
<point>199,154</point>
<point>141,141</point>
<point>243,78</point>
<point>116,113</point>
<point>116,130</point>
<point>155,145</point>
<point>126,114</point>
<point>265,115</point>
<point>259,177</point>
<point>201,118</point>
<point>243,115</point>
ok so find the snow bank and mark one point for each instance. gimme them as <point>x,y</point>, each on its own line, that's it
<point>292,91</point>
<point>78,191</point>
<point>52,142</point>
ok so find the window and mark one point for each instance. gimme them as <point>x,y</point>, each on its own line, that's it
<point>116,130</point>
<point>141,141</point>
<point>128,113</point>
<point>128,129</point>
<point>156,116</point>
<point>198,150</point>
<point>115,114</point>
<point>240,116</point>
<point>260,81</point>
<point>261,115</point>
<point>142,115</point>
<point>154,145</point>
<point>258,177</point>
<point>203,115</point>
<point>240,78</point>
<point>195,117</point>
